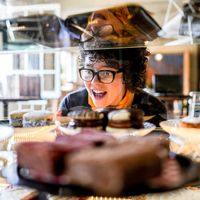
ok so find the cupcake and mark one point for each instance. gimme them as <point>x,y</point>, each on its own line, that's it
<point>16,118</point>
<point>37,118</point>
<point>125,119</point>
<point>85,118</point>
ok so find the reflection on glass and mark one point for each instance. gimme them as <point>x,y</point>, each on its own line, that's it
<point>113,27</point>
<point>119,26</point>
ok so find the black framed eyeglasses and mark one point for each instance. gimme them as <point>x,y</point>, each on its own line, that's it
<point>104,76</point>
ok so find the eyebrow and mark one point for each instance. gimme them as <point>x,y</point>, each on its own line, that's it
<point>110,67</point>
<point>89,65</point>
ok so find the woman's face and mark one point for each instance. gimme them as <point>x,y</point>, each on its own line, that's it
<point>102,94</point>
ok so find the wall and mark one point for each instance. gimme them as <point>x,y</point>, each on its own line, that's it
<point>191,59</point>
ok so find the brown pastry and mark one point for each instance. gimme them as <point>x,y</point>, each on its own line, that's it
<point>190,122</point>
<point>126,118</point>
<point>85,118</point>
<point>48,156</point>
<point>105,112</point>
<point>113,168</point>
<point>119,26</point>
<point>40,156</point>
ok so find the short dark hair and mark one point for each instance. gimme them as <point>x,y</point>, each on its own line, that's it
<point>132,60</point>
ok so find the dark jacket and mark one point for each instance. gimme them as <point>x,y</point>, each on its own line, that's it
<point>150,105</point>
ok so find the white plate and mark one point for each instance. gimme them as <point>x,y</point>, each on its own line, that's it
<point>116,132</point>
<point>148,127</point>
<point>5,132</point>
<point>72,131</point>
<point>172,127</point>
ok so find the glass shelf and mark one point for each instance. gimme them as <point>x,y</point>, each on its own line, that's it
<point>158,25</point>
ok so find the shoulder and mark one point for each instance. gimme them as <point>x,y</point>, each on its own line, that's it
<point>144,97</point>
<point>78,98</point>
<point>82,92</point>
<point>140,94</point>
<point>150,104</point>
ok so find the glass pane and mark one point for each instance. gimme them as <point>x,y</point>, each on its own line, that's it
<point>33,61</point>
<point>49,82</point>
<point>29,86</point>
<point>18,61</point>
<point>49,61</point>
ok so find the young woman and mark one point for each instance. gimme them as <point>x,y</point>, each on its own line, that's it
<point>114,78</point>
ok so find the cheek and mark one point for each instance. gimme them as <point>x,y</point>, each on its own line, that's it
<point>116,88</point>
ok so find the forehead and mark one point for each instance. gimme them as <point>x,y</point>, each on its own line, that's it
<point>101,62</point>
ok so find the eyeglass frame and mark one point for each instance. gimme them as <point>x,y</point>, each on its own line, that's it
<point>97,73</point>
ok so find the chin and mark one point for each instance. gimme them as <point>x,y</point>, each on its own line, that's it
<point>100,105</point>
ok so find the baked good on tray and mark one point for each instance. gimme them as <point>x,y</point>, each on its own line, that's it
<point>48,157</point>
<point>96,161</point>
<point>16,117</point>
<point>105,111</point>
<point>117,167</point>
<point>85,118</point>
<point>37,118</point>
<point>122,119</point>
<point>190,122</point>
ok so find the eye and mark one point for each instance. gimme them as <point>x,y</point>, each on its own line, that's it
<point>86,74</point>
<point>105,73</point>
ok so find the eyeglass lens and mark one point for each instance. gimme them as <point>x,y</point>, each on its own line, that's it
<point>104,76</point>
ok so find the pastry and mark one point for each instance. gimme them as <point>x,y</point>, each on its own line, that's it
<point>48,157</point>
<point>122,119</point>
<point>37,118</point>
<point>105,112</point>
<point>105,169</point>
<point>190,122</point>
<point>113,168</point>
<point>85,118</point>
<point>16,118</point>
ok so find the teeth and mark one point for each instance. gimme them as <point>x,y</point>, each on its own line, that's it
<point>98,92</point>
<point>99,95</point>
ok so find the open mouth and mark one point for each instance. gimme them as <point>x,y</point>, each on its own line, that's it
<point>98,94</point>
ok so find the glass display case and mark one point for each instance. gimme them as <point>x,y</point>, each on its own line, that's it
<point>34,37</point>
<point>40,53</point>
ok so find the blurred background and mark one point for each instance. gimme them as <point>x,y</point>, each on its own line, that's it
<point>45,70</point>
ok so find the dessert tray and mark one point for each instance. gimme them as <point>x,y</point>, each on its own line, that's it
<point>117,132</point>
<point>43,184</point>
<point>172,127</point>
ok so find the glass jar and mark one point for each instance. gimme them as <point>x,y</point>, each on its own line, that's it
<point>194,104</point>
